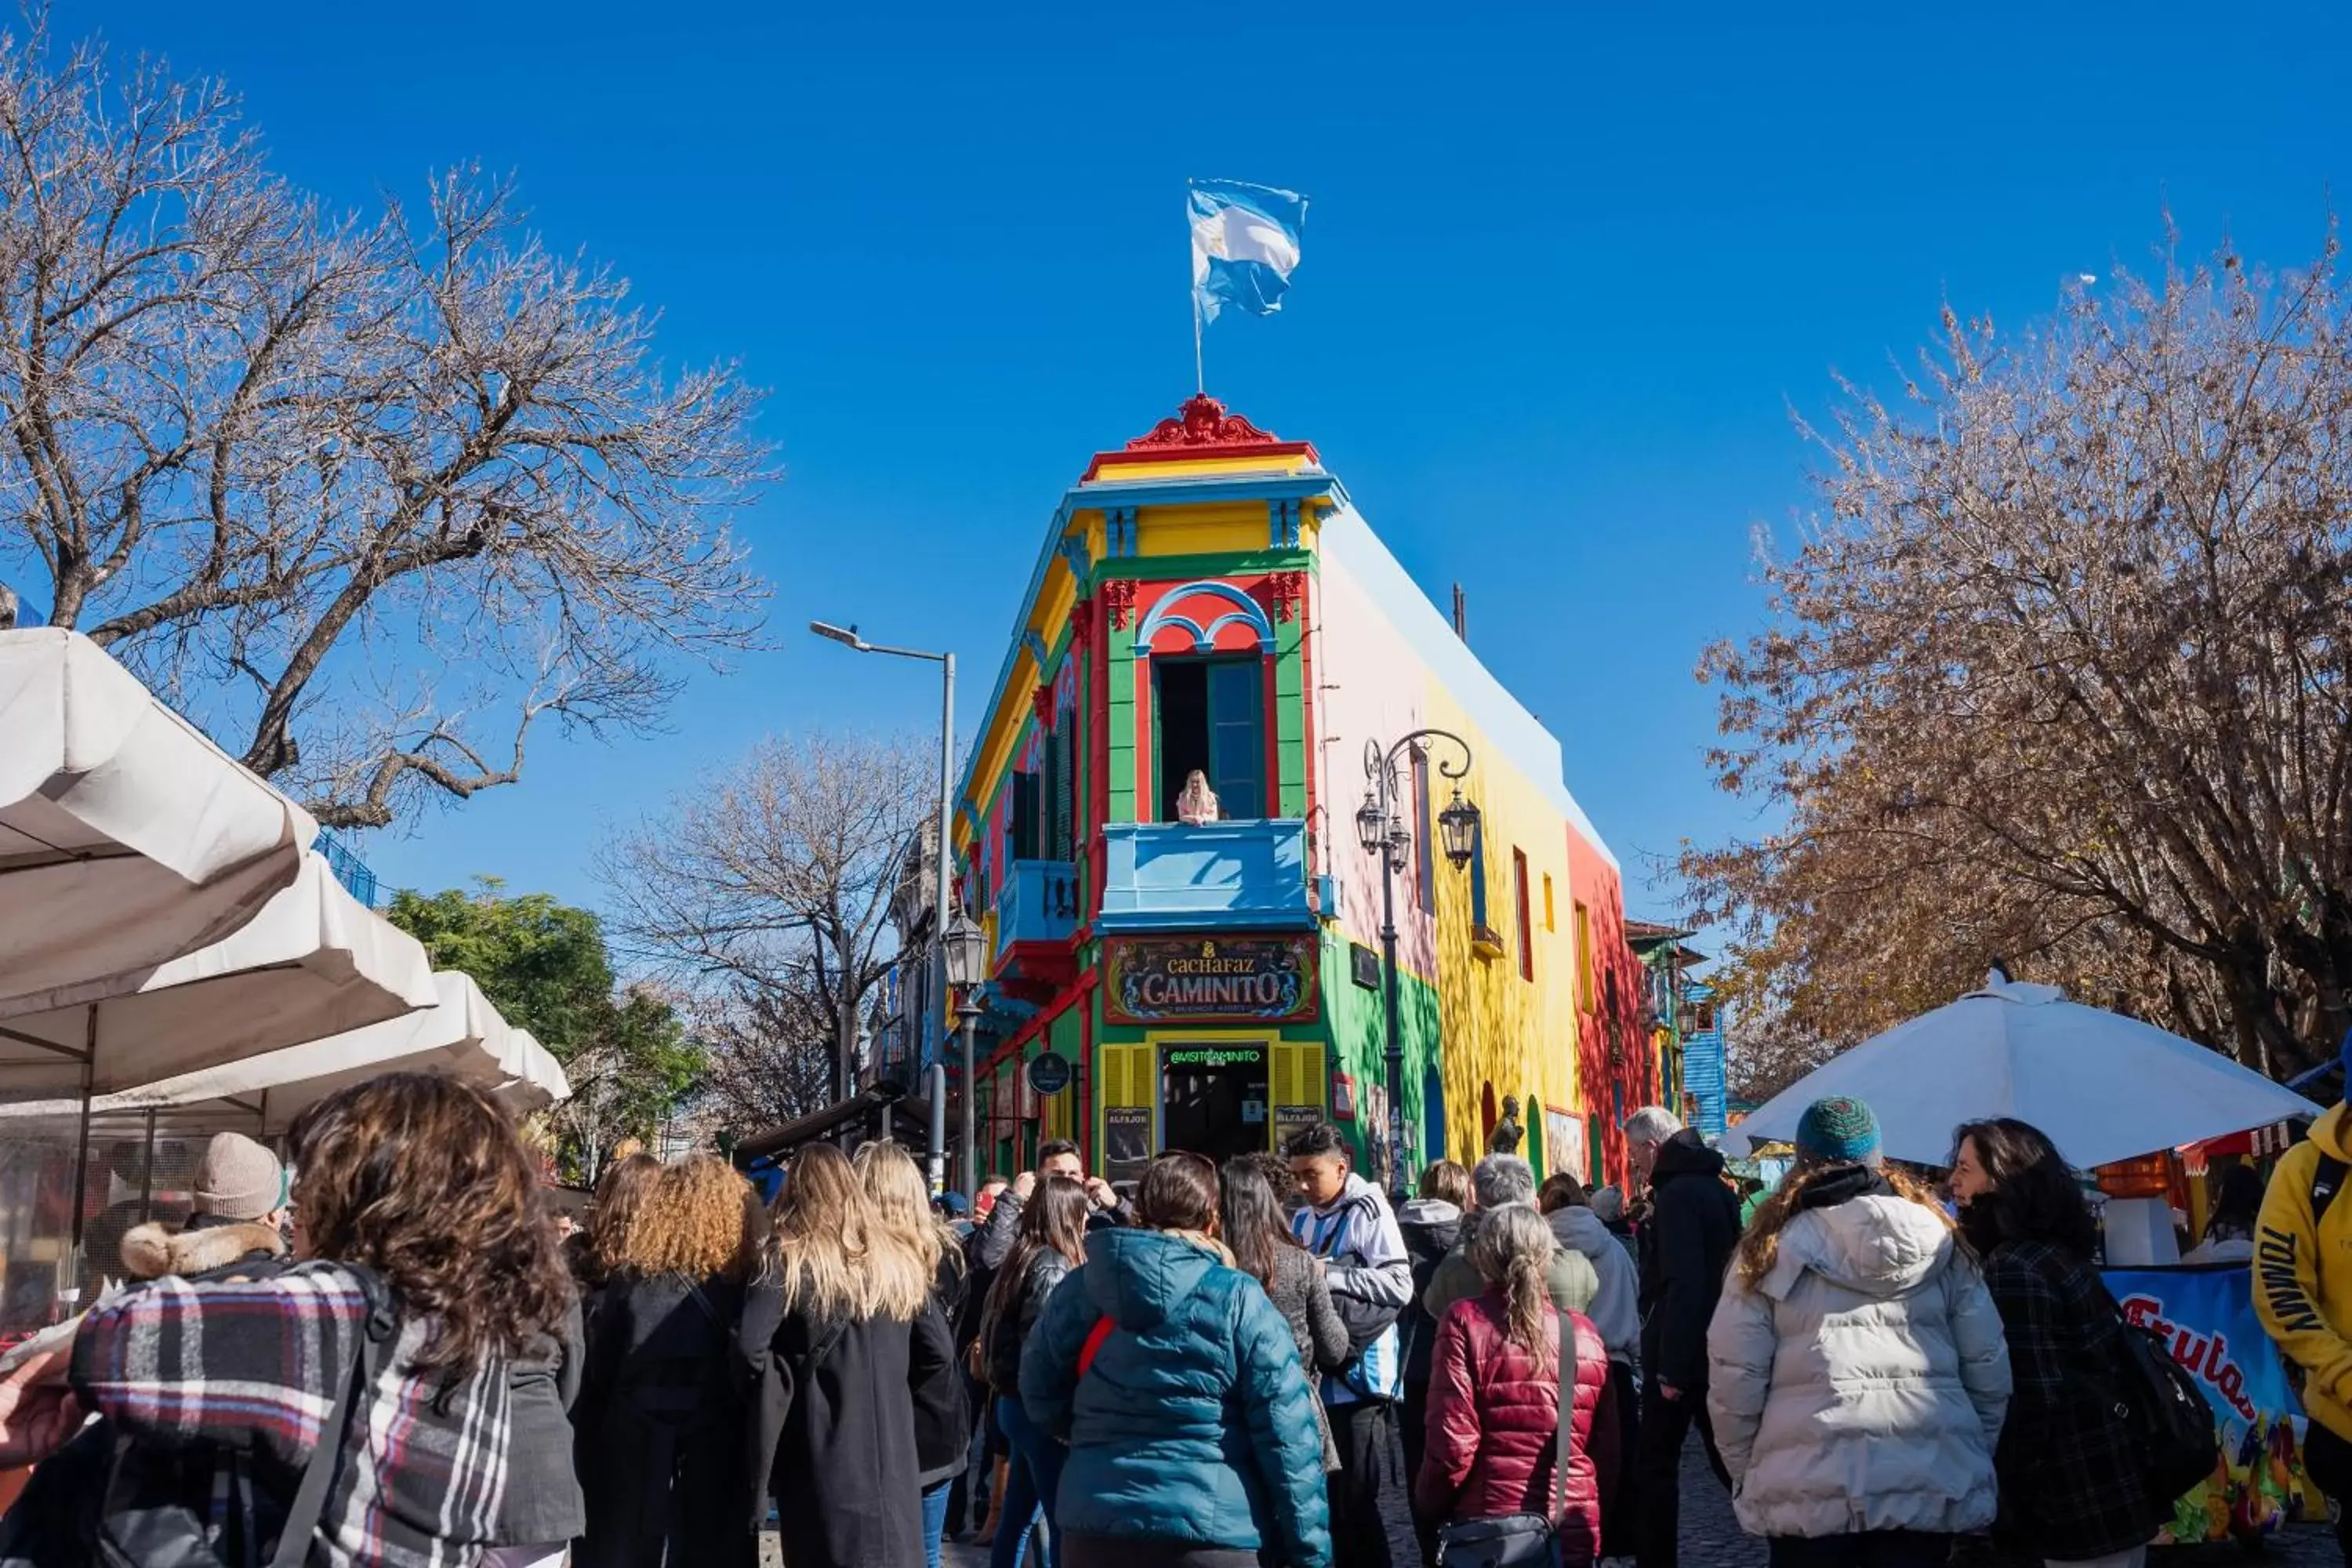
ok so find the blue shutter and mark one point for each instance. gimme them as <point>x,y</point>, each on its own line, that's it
<point>1237,737</point>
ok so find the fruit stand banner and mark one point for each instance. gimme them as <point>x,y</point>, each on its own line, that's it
<point>2207,1316</point>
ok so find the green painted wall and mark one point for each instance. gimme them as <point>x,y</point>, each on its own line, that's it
<point>1357,1021</point>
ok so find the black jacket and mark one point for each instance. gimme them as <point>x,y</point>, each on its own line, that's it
<point>1008,1330</point>
<point>543,1506</point>
<point>2072,1486</point>
<point>1432,1228</point>
<point>835,1435</point>
<point>661,1431</point>
<point>1686,1245</point>
<point>935,1373</point>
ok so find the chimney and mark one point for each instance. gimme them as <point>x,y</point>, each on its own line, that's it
<point>1461,616</point>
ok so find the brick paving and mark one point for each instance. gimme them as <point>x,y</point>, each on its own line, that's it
<point>1712,1537</point>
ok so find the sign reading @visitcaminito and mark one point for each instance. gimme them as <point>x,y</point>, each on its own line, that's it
<point>1236,979</point>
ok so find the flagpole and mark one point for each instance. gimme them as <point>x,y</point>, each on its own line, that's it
<point>1200,377</point>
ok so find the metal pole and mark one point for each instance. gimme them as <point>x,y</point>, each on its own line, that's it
<point>147,1174</point>
<point>965,1015</point>
<point>943,894</point>
<point>1389,994</point>
<point>935,1086</point>
<point>81,1141</point>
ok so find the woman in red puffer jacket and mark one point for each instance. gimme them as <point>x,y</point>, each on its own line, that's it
<point>1493,1395</point>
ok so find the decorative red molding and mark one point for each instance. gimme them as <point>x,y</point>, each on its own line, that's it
<point>1286,589</point>
<point>1082,618</point>
<point>1203,422</point>
<point>1118,598</point>
<point>1202,428</point>
<point>1041,703</point>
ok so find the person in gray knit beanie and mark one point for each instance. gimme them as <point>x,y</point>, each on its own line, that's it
<point>235,1232</point>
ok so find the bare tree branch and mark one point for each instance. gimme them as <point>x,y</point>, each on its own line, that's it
<point>767,890</point>
<point>2063,675</point>
<point>240,434</point>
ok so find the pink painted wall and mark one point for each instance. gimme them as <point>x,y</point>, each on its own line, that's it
<point>1381,686</point>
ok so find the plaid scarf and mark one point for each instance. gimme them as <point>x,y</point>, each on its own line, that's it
<point>251,1370</point>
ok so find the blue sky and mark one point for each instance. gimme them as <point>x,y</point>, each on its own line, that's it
<point>1567,271</point>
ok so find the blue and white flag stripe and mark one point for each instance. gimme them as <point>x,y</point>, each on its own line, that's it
<point>1244,245</point>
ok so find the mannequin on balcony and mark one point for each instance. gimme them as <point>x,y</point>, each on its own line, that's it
<point>1198,803</point>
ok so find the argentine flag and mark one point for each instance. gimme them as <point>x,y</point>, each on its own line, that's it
<point>1244,243</point>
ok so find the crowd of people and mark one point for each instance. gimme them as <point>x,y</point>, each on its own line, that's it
<point>1208,1370</point>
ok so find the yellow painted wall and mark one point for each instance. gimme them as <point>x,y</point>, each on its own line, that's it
<point>1497,1028</point>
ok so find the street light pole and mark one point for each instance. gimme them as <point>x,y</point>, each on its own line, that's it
<point>943,884</point>
<point>1380,829</point>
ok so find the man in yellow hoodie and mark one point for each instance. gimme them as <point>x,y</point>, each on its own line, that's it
<point>2303,1291</point>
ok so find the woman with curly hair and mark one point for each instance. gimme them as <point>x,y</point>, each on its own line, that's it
<point>660,1427</point>
<point>601,1248</point>
<point>902,1202</point>
<point>1857,1378</point>
<point>827,1337</point>
<point>428,1266</point>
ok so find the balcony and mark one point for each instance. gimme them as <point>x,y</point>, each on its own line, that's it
<point>1246,875</point>
<point>1036,911</point>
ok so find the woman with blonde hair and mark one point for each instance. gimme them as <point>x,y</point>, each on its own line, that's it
<point>661,1424</point>
<point>828,1339</point>
<point>1858,1377</point>
<point>902,1200</point>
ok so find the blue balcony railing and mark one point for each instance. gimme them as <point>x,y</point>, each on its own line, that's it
<point>1039,903</point>
<point>352,872</point>
<point>1244,874</point>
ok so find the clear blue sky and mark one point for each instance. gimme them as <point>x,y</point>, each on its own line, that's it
<point>1565,275</point>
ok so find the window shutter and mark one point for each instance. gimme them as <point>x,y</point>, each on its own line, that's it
<point>1025,817</point>
<point>1296,1078</point>
<point>1064,805</point>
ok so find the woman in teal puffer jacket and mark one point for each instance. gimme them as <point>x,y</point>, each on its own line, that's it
<point>1192,1428</point>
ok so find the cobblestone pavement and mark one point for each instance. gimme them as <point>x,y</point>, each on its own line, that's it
<point>1712,1537</point>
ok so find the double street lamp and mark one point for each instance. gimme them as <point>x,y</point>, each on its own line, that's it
<point>954,952</point>
<point>1380,829</point>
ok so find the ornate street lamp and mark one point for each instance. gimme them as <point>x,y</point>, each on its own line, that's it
<point>1380,829</point>
<point>1457,829</point>
<point>964,947</point>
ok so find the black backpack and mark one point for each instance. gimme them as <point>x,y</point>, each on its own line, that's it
<point>2170,1423</point>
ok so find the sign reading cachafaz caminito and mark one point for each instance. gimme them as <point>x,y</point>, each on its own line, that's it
<point>1241,979</point>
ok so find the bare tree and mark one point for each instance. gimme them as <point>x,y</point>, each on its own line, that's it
<point>2064,676</point>
<point>769,1050</point>
<point>775,880</point>
<point>365,496</point>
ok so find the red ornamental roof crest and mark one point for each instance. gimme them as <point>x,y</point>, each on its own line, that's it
<point>1203,422</point>
<point>1200,428</point>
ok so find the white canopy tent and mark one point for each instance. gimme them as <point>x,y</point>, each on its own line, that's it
<point>461,1033</point>
<point>126,838</point>
<point>535,1078</point>
<point>313,961</point>
<point>2103,1087</point>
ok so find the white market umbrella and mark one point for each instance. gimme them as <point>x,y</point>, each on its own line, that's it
<point>313,961</point>
<point>2102,1086</point>
<point>460,1035</point>
<point>126,837</point>
<point>535,1078</point>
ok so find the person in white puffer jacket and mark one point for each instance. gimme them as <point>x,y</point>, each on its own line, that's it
<point>1858,1372</point>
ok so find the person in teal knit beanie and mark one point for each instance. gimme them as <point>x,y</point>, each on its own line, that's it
<point>1838,1130</point>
